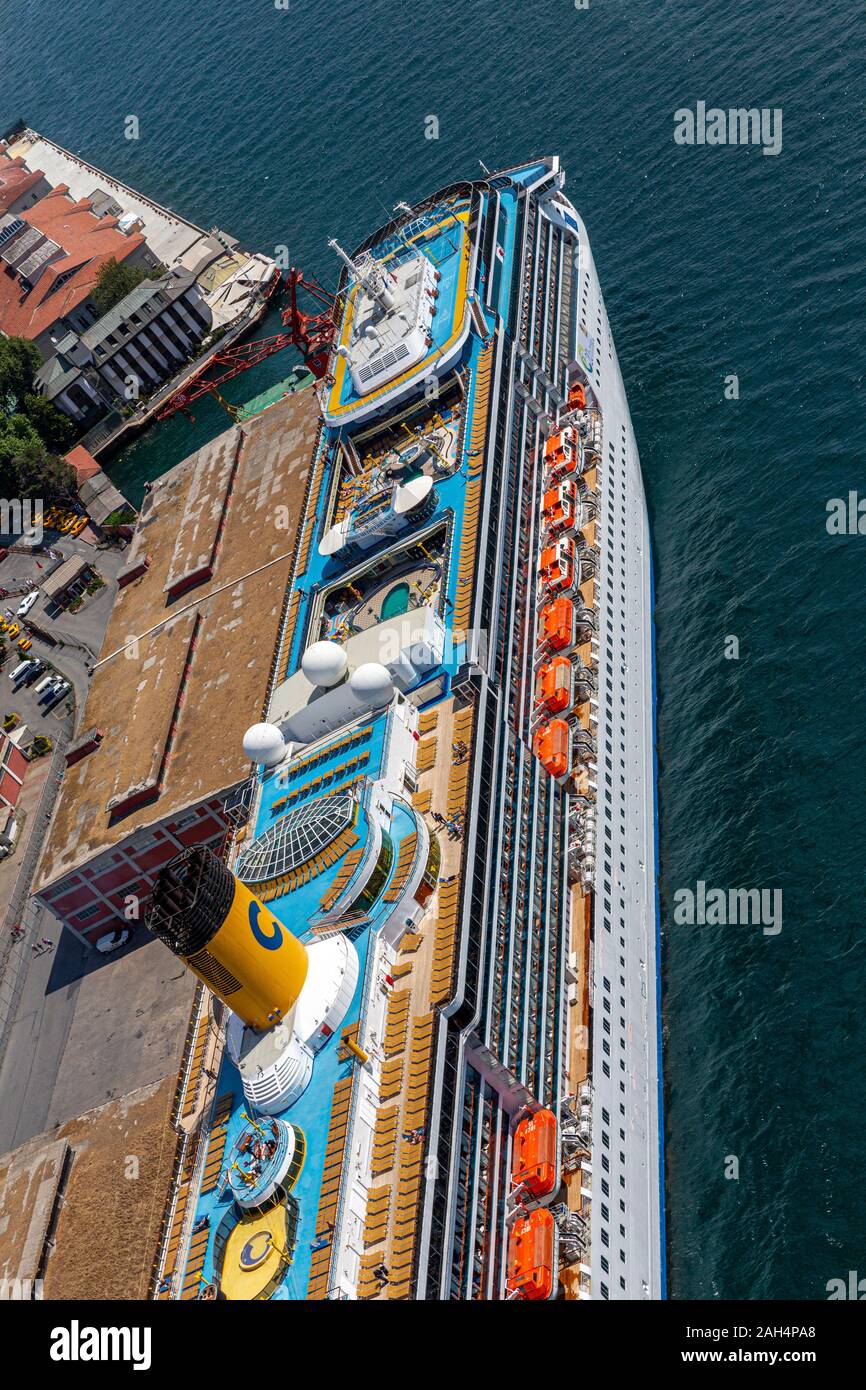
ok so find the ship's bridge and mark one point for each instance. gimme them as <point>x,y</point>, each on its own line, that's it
<point>406,313</point>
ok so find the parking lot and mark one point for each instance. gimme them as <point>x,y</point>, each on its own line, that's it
<point>65,642</point>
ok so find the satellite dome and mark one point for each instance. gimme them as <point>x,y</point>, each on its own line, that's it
<point>412,494</point>
<point>324,663</point>
<point>263,743</point>
<point>372,685</point>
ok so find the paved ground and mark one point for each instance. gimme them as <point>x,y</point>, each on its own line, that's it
<point>78,635</point>
<point>65,998</point>
<point>80,1024</point>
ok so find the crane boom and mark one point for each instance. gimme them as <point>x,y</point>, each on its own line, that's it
<point>312,334</point>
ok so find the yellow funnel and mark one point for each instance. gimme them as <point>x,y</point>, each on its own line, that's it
<point>228,938</point>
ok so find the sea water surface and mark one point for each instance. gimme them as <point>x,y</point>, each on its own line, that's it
<point>287,126</point>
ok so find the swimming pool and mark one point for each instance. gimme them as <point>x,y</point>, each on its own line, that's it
<point>396,601</point>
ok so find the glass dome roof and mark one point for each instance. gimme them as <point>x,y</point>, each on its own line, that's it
<point>295,838</point>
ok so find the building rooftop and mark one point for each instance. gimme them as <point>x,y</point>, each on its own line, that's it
<point>15,180</point>
<point>107,1230</point>
<point>75,245</point>
<point>168,235</point>
<point>65,574</point>
<point>167,288</point>
<point>83,462</point>
<point>186,659</point>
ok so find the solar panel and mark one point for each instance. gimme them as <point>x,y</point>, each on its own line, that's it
<point>11,229</point>
<point>38,257</point>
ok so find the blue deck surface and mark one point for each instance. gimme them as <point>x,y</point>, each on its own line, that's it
<point>312,1111</point>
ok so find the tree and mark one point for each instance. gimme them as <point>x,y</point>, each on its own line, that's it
<point>55,429</point>
<point>25,416</point>
<point>33,471</point>
<point>114,280</point>
<point>17,434</point>
<point>19,362</point>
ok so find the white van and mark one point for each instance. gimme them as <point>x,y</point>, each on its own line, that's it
<point>44,683</point>
<point>20,670</point>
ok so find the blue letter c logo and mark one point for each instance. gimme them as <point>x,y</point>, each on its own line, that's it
<point>272,942</point>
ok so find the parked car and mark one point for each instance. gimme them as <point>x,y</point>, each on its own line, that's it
<point>54,681</point>
<point>24,644</point>
<point>36,669</point>
<point>112,940</point>
<point>26,604</point>
<point>56,695</point>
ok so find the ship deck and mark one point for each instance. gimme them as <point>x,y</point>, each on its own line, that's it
<point>351,760</point>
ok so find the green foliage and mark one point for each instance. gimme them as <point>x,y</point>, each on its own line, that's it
<point>19,362</point>
<point>17,434</point>
<point>30,470</point>
<point>115,280</point>
<point>55,429</point>
<point>124,516</point>
<point>32,431</point>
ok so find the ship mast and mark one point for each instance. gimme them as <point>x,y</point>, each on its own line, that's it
<point>369,274</point>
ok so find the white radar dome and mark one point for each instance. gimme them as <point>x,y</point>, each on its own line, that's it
<point>263,743</point>
<point>372,685</point>
<point>324,663</point>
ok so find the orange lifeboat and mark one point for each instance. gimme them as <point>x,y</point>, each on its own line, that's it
<point>561,453</point>
<point>534,1163</point>
<point>556,623</point>
<point>553,686</point>
<point>557,564</point>
<point>553,747</point>
<point>531,1256</point>
<point>559,505</point>
<point>558,446</point>
<point>576,396</point>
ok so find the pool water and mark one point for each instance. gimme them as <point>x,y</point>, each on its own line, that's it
<point>396,601</point>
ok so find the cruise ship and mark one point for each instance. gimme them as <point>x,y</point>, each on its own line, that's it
<point>429,952</point>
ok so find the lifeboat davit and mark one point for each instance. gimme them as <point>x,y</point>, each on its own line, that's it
<point>533,1166</point>
<point>559,506</point>
<point>554,685</point>
<point>556,624</point>
<point>576,396</point>
<point>532,1256</point>
<point>553,748</point>
<point>557,565</point>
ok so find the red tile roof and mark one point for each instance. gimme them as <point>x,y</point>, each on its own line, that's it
<point>15,180</point>
<point>84,463</point>
<point>88,242</point>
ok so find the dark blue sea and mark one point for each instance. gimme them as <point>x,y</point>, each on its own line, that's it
<point>286,127</point>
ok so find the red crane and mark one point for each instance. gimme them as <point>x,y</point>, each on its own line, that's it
<point>312,334</point>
